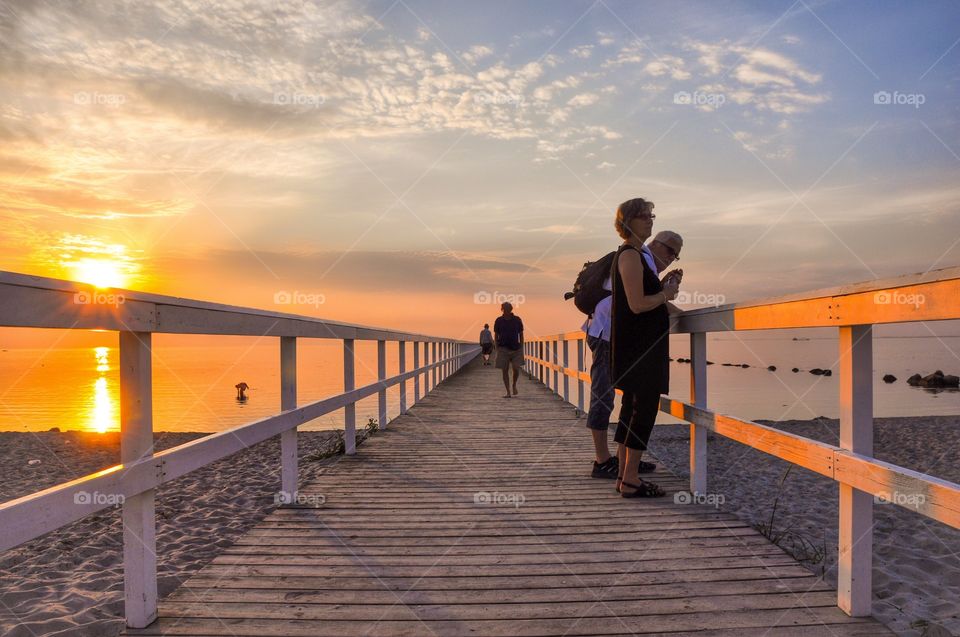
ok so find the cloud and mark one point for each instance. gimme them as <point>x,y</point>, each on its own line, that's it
<point>551,229</point>
<point>668,64</point>
<point>366,270</point>
<point>583,99</point>
<point>629,54</point>
<point>583,51</point>
<point>476,53</point>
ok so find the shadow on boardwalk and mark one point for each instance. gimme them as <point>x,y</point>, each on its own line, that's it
<point>473,515</point>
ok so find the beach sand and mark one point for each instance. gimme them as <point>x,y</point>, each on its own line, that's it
<point>916,567</point>
<point>70,582</point>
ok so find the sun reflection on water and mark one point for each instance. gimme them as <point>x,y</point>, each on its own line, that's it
<point>102,417</point>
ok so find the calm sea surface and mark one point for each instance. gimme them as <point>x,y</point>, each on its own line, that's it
<point>194,386</point>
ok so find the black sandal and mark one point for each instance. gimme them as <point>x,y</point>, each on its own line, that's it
<point>643,490</point>
<point>619,482</point>
<point>647,467</point>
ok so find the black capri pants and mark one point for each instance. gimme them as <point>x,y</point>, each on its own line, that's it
<point>636,424</point>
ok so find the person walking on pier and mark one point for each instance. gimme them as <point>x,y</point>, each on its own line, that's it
<point>659,253</point>
<point>639,340</point>
<point>508,333</point>
<point>486,343</point>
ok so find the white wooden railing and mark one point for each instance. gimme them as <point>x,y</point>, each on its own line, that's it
<point>854,310</point>
<point>37,302</point>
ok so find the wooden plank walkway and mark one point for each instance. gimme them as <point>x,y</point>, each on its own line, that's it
<point>406,545</point>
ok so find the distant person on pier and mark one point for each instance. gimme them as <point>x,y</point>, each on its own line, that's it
<point>508,333</point>
<point>639,340</point>
<point>663,250</point>
<point>486,343</point>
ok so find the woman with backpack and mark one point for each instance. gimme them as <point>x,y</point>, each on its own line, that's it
<point>639,340</point>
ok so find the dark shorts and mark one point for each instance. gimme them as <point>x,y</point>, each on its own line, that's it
<point>509,358</point>
<point>486,348</point>
<point>601,391</point>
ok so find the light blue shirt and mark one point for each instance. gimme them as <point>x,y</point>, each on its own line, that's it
<point>599,325</point>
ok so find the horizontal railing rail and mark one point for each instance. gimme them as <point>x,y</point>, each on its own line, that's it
<point>38,302</point>
<point>853,309</point>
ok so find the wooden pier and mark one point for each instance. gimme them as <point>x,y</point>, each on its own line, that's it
<point>475,515</point>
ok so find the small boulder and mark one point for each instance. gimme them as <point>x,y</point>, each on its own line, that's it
<point>744,366</point>
<point>951,381</point>
<point>828,372</point>
<point>889,378</point>
<point>915,380</point>
<point>817,371</point>
<point>795,370</point>
<point>772,368</point>
<point>932,380</point>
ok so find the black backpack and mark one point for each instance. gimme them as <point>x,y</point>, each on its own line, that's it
<point>588,288</point>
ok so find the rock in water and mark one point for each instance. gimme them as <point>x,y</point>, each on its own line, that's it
<point>889,378</point>
<point>915,380</point>
<point>828,372</point>
<point>795,370</point>
<point>817,371</point>
<point>772,368</point>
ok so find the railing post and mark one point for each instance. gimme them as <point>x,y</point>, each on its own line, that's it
<point>698,398</point>
<point>288,438</point>
<point>433,360</point>
<point>426,371</point>
<point>855,551</point>
<point>349,411</point>
<point>556,361</point>
<point>541,369</point>
<point>381,376</point>
<point>416,368</point>
<point>402,367</point>
<point>580,369</point>
<point>566,365</point>
<point>136,442</point>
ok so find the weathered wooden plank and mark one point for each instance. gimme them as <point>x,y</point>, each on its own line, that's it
<point>587,625</point>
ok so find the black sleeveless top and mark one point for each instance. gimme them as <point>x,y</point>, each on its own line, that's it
<point>639,343</point>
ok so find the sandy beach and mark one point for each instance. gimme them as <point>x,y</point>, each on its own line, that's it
<point>70,582</point>
<point>916,574</point>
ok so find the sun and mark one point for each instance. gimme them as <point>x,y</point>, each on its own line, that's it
<point>103,273</point>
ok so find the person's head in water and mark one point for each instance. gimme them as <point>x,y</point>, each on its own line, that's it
<point>634,221</point>
<point>665,248</point>
<point>507,308</point>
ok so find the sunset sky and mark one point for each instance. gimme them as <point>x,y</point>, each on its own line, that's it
<point>390,162</point>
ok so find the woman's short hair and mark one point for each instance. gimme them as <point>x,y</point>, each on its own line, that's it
<point>627,211</point>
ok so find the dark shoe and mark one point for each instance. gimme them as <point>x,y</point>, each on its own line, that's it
<point>607,470</point>
<point>643,490</point>
<point>647,467</point>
